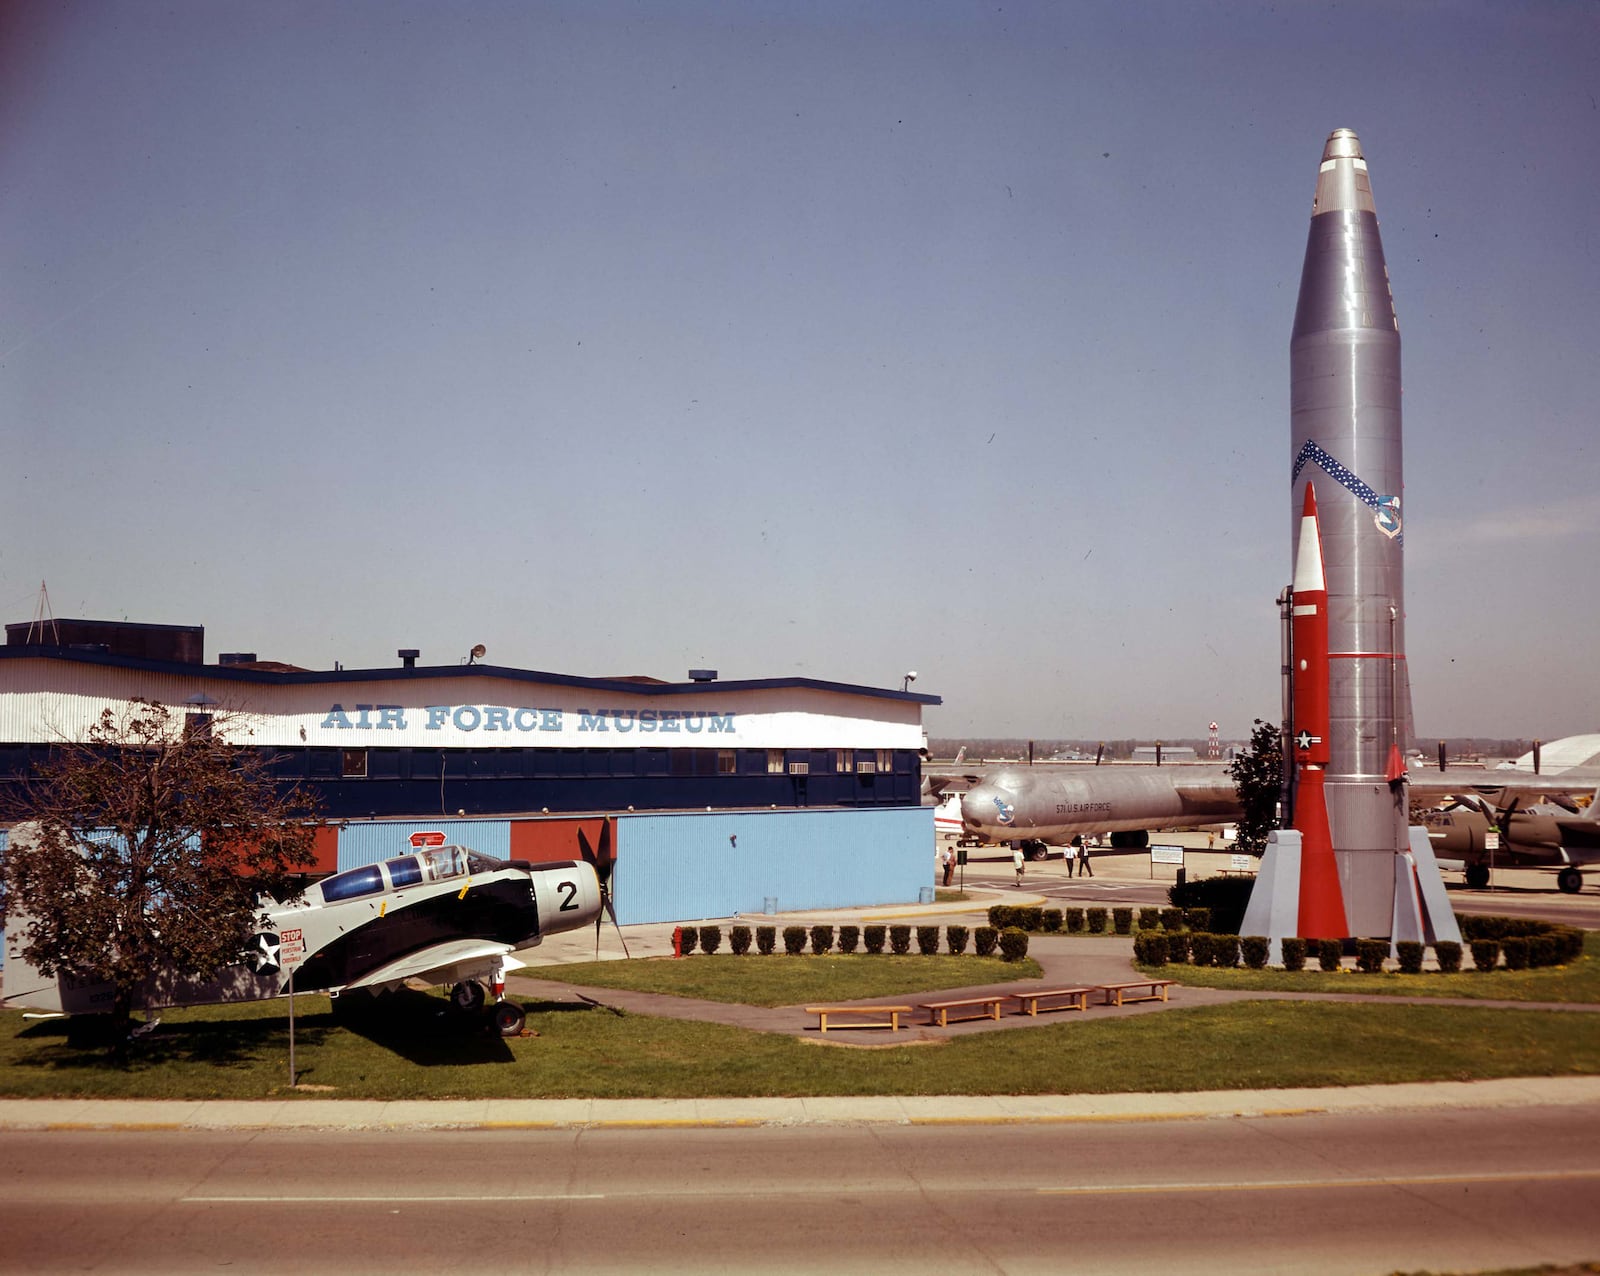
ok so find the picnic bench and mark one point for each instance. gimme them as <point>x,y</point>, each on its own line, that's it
<point>984,1007</point>
<point>1028,1003</point>
<point>872,1016</point>
<point>1119,994</point>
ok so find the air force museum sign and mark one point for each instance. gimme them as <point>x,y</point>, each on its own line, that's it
<point>468,718</point>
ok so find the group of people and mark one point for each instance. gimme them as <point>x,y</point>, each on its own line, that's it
<point>1077,853</point>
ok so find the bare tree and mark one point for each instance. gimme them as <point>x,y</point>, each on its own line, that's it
<point>150,842</point>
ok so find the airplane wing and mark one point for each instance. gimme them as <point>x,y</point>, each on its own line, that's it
<point>1501,786</point>
<point>446,963</point>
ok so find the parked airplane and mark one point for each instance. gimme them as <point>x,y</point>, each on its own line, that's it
<point>1043,806</point>
<point>445,915</point>
<point>1544,836</point>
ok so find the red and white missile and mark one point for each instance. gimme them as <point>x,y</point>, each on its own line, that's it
<point>1322,913</point>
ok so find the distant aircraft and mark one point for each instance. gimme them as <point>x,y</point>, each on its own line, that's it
<point>445,915</point>
<point>1041,806</point>
<point>1544,836</point>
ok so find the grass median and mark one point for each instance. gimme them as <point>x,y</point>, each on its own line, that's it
<point>411,1049</point>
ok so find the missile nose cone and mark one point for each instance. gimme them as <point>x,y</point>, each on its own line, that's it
<point>1342,144</point>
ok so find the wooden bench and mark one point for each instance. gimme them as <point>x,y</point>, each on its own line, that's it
<point>1028,1003</point>
<point>1117,994</point>
<point>987,1008</point>
<point>872,1016</point>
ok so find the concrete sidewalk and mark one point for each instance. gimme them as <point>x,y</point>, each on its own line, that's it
<point>575,1114</point>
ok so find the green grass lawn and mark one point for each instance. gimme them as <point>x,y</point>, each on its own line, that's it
<point>1578,982</point>
<point>792,981</point>
<point>411,1050</point>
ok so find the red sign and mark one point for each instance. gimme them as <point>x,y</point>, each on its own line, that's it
<point>291,947</point>
<point>421,840</point>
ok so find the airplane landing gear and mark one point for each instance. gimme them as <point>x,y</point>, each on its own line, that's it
<point>1477,876</point>
<point>509,1018</point>
<point>1570,880</point>
<point>1034,849</point>
<point>468,997</point>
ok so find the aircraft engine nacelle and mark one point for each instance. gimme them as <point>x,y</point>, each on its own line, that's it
<point>567,895</point>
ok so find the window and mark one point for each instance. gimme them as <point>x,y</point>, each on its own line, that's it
<point>355,764</point>
<point>886,761</point>
<point>358,881</point>
<point>774,761</point>
<point>844,761</point>
<point>725,762</point>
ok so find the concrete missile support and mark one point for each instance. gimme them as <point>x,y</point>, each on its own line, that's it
<point>1345,425</point>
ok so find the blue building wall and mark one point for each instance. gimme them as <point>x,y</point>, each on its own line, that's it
<point>714,864</point>
<point>371,842</point>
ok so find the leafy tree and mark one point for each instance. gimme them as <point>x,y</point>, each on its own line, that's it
<point>1257,778</point>
<point>147,846</point>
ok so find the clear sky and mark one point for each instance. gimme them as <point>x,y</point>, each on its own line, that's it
<point>832,340</point>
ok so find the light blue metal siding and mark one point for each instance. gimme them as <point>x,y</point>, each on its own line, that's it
<point>372,841</point>
<point>689,866</point>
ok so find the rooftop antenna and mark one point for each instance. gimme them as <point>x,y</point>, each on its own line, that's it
<point>42,616</point>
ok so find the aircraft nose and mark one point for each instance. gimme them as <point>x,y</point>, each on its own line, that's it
<point>986,807</point>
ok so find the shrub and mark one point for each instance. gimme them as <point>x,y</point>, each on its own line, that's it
<point>849,938</point>
<point>794,940</point>
<point>1409,954</point>
<point>1225,951</point>
<point>984,940</point>
<point>710,938</point>
<point>1542,950</point>
<point>1255,949</point>
<point>1485,954</point>
<point>900,939</point>
<point>686,939</point>
<point>739,940</point>
<point>1514,948</point>
<point>1330,953</point>
<point>1097,921</point>
<point>1149,918</point>
<point>1370,954</point>
<point>927,940</point>
<point>1074,921</point>
<point>1177,945</point>
<point>1172,919</point>
<point>1294,953</point>
<point>1150,948</point>
<point>956,937</point>
<point>1448,955</point>
<point>821,939</point>
<point>1224,898</point>
<point>1001,915</point>
<point>1031,918</point>
<point>1197,918</point>
<point>1013,943</point>
<point>766,939</point>
<point>1203,944</point>
<point>1122,920</point>
<point>873,936</point>
<point>1052,920</point>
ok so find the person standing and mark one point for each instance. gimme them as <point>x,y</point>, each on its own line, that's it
<point>948,859</point>
<point>1072,852</point>
<point>1083,860</point>
<point>1016,861</point>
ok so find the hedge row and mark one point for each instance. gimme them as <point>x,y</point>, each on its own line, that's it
<point>1554,947</point>
<point>1011,941</point>
<point>1075,921</point>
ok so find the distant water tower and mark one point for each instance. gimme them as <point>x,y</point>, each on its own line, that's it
<point>1213,745</point>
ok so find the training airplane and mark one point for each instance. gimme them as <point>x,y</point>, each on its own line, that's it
<point>1483,837</point>
<point>1043,806</point>
<point>445,915</point>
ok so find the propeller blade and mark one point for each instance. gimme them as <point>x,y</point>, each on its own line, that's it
<point>620,937</point>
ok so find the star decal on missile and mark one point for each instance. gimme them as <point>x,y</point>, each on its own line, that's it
<point>263,953</point>
<point>1305,740</point>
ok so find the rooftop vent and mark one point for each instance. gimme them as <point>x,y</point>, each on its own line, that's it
<point>408,656</point>
<point>229,658</point>
<point>702,675</point>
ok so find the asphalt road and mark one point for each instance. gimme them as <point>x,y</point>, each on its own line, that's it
<point>1360,1192</point>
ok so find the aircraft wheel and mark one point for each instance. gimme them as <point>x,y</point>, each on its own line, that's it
<point>1131,839</point>
<point>1036,850</point>
<point>509,1018</point>
<point>1477,876</point>
<point>468,996</point>
<point>1570,881</point>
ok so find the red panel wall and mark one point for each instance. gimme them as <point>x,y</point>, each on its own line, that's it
<point>541,841</point>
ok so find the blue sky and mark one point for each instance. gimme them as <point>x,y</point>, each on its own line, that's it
<point>825,340</point>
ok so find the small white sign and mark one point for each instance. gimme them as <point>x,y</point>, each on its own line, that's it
<point>291,948</point>
<point>1491,839</point>
<point>1241,863</point>
<point>1166,855</point>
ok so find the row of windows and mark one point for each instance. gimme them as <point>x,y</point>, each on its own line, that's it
<point>534,763</point>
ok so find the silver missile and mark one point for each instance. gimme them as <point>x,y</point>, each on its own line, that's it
<point>1344,380</point>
